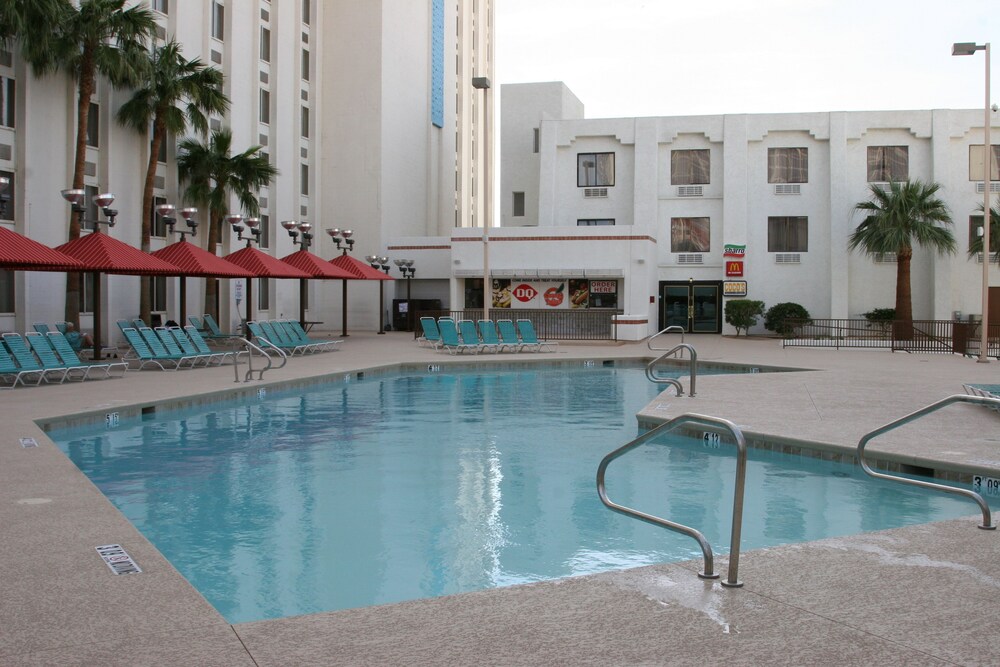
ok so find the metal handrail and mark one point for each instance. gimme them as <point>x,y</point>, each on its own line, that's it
<point>250,348</point>
<point>673,328</point>
<point>933,407</point>
<point>715,425</point>
<point>692,369</point>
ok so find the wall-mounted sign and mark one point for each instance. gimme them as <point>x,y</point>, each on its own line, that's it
<point>733,250</point>
<point>571,293</point>
<point>734,288</point>
<point>734,268</point>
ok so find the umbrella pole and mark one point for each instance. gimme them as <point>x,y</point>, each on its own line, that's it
<point>249,309</point>
<point>344,306</point>
<point>303,294</point>
<point>183,312</point>
<point>97,316</point>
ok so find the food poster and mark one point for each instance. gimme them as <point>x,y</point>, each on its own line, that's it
<point>501,293</point>
<point>539,294</point>
<point>579,293</point>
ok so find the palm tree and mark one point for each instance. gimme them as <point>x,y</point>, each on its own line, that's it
<point>17,16</point>
<point>96,37</point>
<point>170,81</point>
<point>895,218</point>
<point>213,175</point>
<point>976,244</point>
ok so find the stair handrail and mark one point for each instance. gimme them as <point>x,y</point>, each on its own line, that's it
<point>715,425</point>
<point>692,369</point>
<point>933,407</point>
<point>250,349</point>
<point>673,328</point>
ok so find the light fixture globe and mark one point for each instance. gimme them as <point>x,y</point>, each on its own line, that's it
<point>234,219</point>
<point>104,200</point>
<point>290,225</point>
<point>347,233</point>
<point>371,259</point>
<point>305,227</point>
<point>165,210</point>
<point>252,223</point>
<point>74,197</point>
<point>334,232</point>
<point>188,214</point>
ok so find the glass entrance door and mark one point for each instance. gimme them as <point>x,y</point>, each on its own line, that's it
<point>695,306</point>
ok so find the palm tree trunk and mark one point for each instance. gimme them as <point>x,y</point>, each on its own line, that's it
<point>902,328</point>
<point>86,88</point>
<point>145,296</point>
<point>211,284</point>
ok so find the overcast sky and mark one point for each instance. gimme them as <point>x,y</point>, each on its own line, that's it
<point>627,58</point>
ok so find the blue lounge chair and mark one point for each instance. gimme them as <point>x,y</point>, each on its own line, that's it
<point>150,349</point>
<point>488,334</point>
<point>470,336</point>
<point>294,330</point>
<point>27,360</point>
<point>276,335</point>
<point>508,335</point>
<point>71,360</point>
<point>10,370</point>
<point>43,350</point>
<point>265,343</point>
<point>176,341</point>
<point>449,338</point>
<point>431,333</point>
<point>201,345</point>
<point>529,339</point>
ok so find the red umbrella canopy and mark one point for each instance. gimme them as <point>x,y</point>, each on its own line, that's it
<point>192,260</point>
<point>360,270</point>
<point>262,265</point>
<point>316,266</point>
<point>21,253</point>
<point>102,253</point>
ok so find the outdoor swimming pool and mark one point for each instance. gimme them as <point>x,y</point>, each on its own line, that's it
<point>421,484</point>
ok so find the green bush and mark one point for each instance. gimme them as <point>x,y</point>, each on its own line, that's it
<point>880,315</point>
<point>777,315</point>
<point>743,314</point>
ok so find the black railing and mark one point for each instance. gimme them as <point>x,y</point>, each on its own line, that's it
<point>581,324</point>
<point>953,337</point>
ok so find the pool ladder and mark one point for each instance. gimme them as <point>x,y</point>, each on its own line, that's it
<point>676,351</point>
<point>933,407</point>
<point>250,348</point>
<point>713,425</point>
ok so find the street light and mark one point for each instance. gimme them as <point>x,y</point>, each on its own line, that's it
<point>343,236</point>
<point>483,83</point>
<point>968,49</point>
<point>380,264</point>
<point>167,213</point>
<point>406,267</point>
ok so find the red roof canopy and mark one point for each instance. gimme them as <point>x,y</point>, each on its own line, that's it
<point>262,265</point>
<point>18,252</point>
<point>316,266</point>
<point>192,260</point>
<point>360,270</point>
<point>102,253</point>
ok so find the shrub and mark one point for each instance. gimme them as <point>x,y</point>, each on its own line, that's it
<point>777,315</point>
<point>880,315</point>
<point>743,314</point>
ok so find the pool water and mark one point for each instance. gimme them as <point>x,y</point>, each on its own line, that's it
<point>417,485</point>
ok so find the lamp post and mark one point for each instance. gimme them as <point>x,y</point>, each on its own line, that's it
<point>167,213</point>
<point>968,49</point>
<point>483,83</point>
<point>380,264</point>
<point>76,198</point>
<point>343,236</point>
<point>239,223</point>
<point>405,267</point>
<point>294,227</point>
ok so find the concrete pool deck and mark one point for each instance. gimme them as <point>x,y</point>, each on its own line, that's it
<point>911,595</point>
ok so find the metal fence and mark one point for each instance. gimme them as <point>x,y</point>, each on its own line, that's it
<point>953,337</point>
<point>581,324</point>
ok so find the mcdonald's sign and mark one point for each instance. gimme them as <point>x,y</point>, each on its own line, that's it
<point>734,268</point>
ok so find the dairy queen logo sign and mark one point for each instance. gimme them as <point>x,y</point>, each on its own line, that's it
<point>524,293</point>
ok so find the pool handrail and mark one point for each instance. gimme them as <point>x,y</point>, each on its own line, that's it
<point>250,349</point>
<point>715,425</point>
<point>673,328</point>
<point>692,369</point>
<point>933,407</point>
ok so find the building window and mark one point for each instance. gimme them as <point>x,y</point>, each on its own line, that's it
<point>265,45</point>
<point>93,126</point>
<point>218,21</point>
<point>265,231</point>
<point>305,122</point>
<point>690,167</point>
<point>976,232</point>
<point>888,164</point>
<point>306,12</point>
<point>596,222</point>
<point>690,234</point>
<point>305,179</point>
<point>10,206</point>
<point>536,140</point>
<point>162,6</point>
<point>976,162</point>
<point>7,295</point>
<point>263,294</point>
<point>518,205</point>
<point>787,165</point>
<point>595,169</point>
<point>158,294</point>
<point>787,234</point>
<point>305,64</point>
<point>265,106</point>
<point>159,228</point>
<point>8,96</point>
